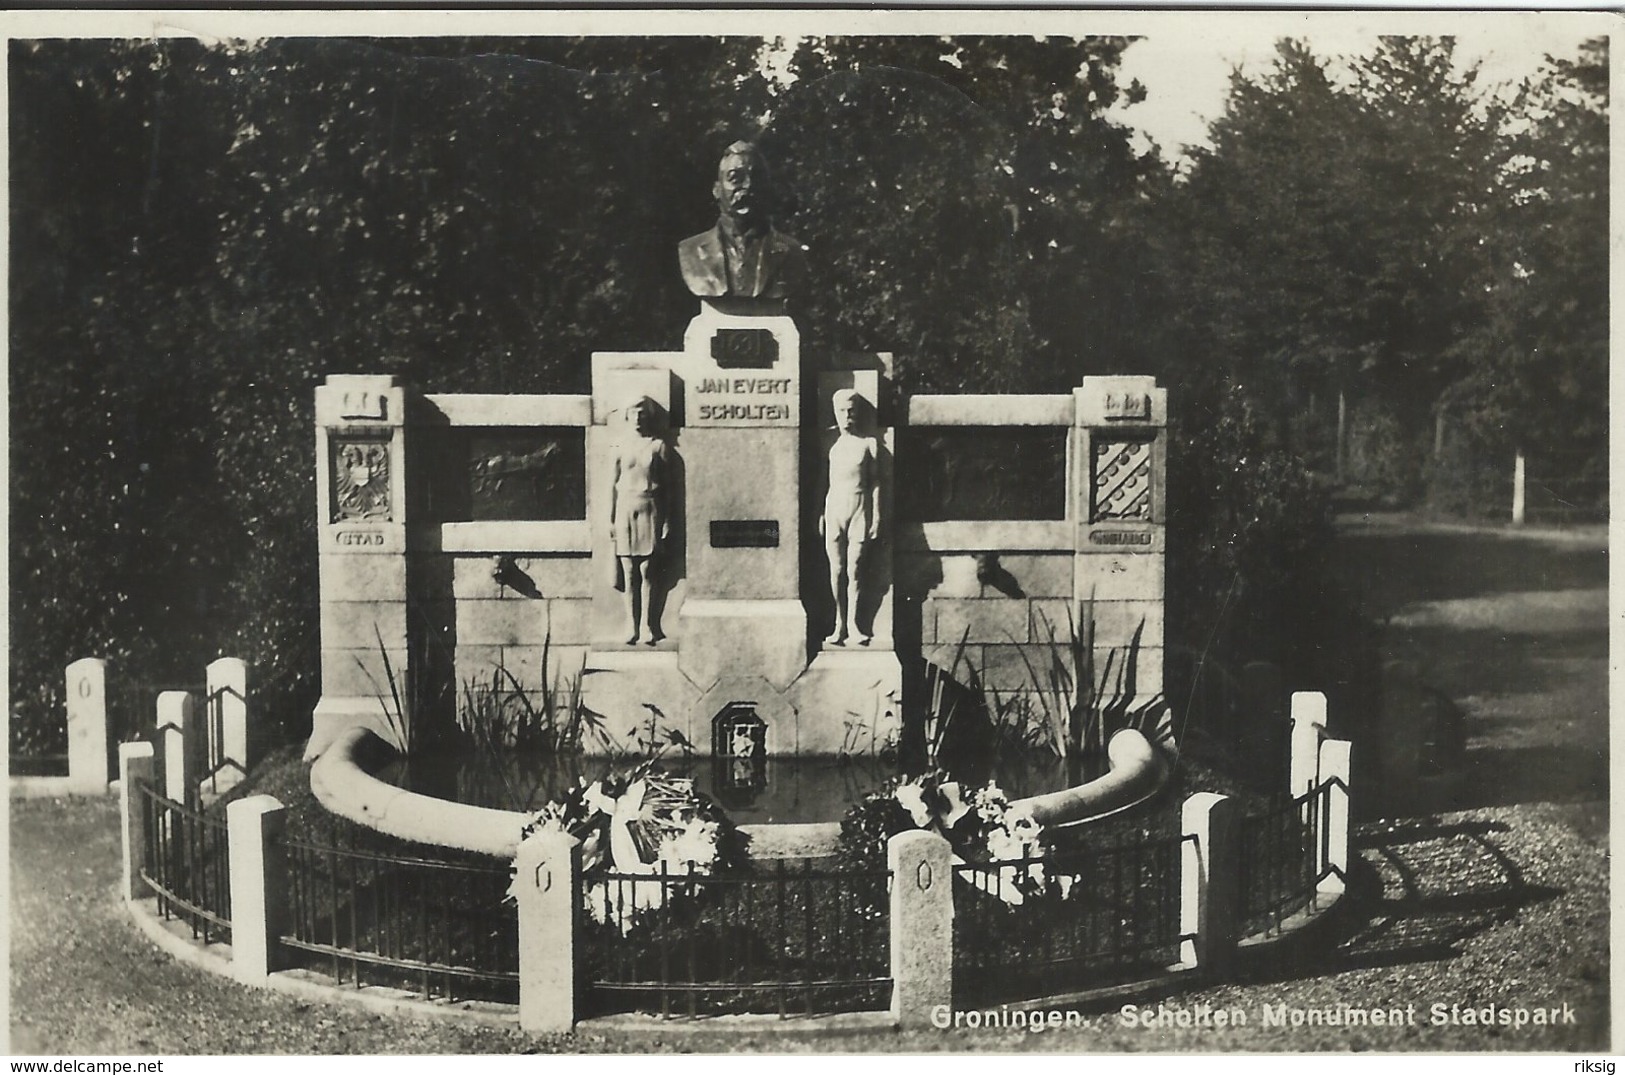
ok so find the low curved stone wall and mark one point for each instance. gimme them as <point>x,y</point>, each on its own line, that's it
<point>343,782</point>
<point>1137,770</point>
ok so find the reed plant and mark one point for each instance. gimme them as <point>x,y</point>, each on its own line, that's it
<point>1081,702</point>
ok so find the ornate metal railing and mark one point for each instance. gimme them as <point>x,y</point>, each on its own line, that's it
<point>1066,922</point>
<point>1284,854</point>
<point>438,928</point>
<point>788,938</point>
<point>187,865</point>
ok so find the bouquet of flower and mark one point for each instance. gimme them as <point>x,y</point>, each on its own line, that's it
<point>982,827</point>
<point>634,827</point>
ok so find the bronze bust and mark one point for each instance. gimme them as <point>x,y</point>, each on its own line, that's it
<point>743,256</point>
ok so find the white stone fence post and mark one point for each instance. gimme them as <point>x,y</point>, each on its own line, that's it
<point>1308,729</point>
<point>134,770</point>
<point>547,887</point>
<point>182,744</point>
<point>259,882</point>
<point>226,703</point>
<point>1334,770</point>
<point>87,726</point>
<point>922,926</point>
<point>1209,882</point>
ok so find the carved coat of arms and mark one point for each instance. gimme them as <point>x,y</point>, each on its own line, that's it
<point>360,481</point>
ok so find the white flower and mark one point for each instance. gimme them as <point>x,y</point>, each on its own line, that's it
<point>991,798</point>
<point>912,798</point>
<point>596,900</point>
<point>696,843</point>
<point>596,800</point>
<point>957,806</point>
<point>1002,844</point>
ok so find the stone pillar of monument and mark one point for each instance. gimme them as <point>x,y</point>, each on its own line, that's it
<point>1118,479</point>
<point>742,613</point>
<point>361,527</point>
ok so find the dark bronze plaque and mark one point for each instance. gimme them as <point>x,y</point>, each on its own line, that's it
<point>744,348</point>
<point>745,534</point>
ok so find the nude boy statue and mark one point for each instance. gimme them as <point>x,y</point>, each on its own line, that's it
<point>851,513</point>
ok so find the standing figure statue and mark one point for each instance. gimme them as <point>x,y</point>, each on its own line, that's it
<point>743,256</point>
<point>638,519</point>
<point>851,516</point>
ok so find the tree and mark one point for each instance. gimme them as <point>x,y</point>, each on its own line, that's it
<point>1538,365</point>
<point>985,168</point>
<point>1338,227</point>
<point>203,233</point>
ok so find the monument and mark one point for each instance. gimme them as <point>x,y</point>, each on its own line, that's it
<point>714,563</point>
<point>743,649</point>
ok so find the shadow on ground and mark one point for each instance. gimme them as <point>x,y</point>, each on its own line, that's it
<point>1418,890</point>
<point>1388,571</point>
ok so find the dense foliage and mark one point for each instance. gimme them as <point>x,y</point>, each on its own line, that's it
<point>200,233</point>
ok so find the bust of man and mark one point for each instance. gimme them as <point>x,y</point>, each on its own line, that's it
<point>742,257</point>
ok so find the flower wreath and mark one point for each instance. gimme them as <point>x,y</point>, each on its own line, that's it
<point>641,822</point>
<point>982,826</point>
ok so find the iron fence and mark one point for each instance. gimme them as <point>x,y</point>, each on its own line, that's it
<point>1065,922</point>
<point>439,928</point>
<point>187,865</point>
<point>788,938</point>
<point>1284,855</point>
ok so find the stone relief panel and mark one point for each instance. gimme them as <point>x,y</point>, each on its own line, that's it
<point>981,473</point>
<point>360,480</point>
<point>1122,480</point>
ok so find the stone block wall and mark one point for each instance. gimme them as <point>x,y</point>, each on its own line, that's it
<point>476,600</point>
<point>544,615</point>
<point>999,596</point>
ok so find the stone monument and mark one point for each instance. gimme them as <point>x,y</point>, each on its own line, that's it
<point>721,568</point>
<point>742,650</point>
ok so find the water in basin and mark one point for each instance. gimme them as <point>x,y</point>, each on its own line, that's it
<point>784,790</point>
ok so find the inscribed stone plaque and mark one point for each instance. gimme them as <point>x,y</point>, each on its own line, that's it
<point>744,348</point>
<point>1120,537</point>
<point>1127,405</point>
<point>742,400</point>
<point>744,533</point>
